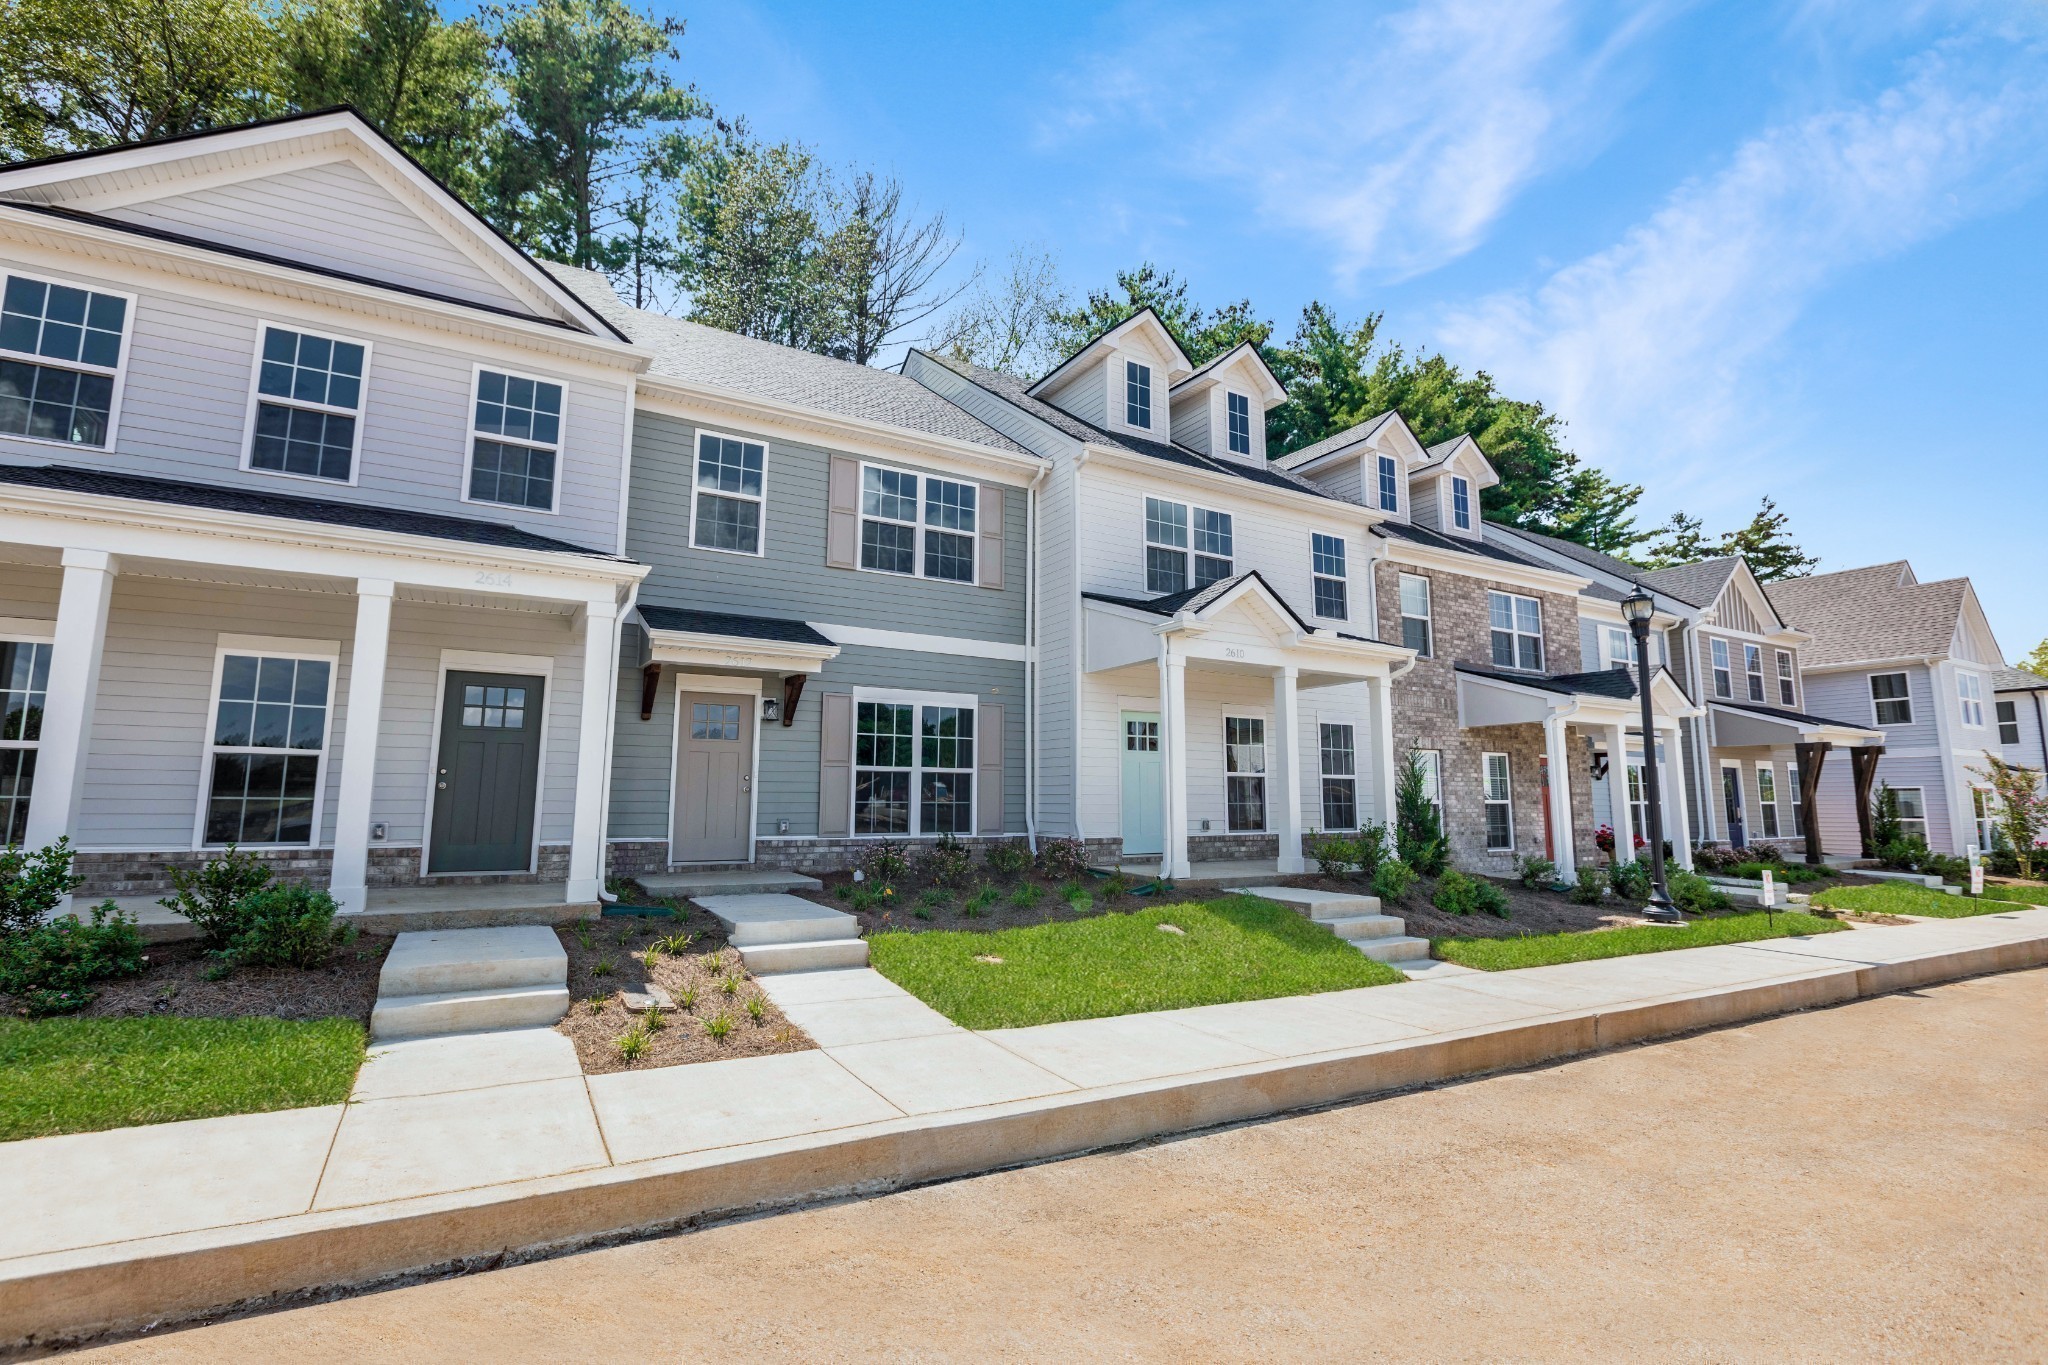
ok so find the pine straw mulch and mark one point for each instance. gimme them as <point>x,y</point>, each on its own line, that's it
<point>174,983</point>
<point>699,974</point>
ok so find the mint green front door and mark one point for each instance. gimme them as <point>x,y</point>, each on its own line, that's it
<point>1144,828</point>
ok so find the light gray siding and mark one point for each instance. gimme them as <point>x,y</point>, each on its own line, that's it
<point>1087,396</point>
<point>1191,423</point>
<point>1846,697</point>
<point>791,579</point>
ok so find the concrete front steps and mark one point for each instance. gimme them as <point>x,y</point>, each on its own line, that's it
<point>778,932</point>
<point>1355,918</point>
<point>729,881</point>
<point>439,981</point>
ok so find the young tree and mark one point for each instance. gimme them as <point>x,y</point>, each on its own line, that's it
<point>1204,336</point>
<point>1682,540</point>
<point>754,247</point>
<point>2022,810</point>
<point>886,260</point>
<point>1766,543</point>
<point>1418,828</point>
<point>2037,662</point>
<point>1007,324</point>
<point>78,74</point>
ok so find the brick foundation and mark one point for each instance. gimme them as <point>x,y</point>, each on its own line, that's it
<point>144,874</point>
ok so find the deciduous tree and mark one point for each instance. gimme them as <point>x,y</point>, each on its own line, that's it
<point>2022,814</point>
<point>1006,322</point>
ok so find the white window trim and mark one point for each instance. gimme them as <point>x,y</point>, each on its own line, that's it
<point>1717,650</point>
<point>1151,394</point>
<point>264,327</point>
<point>1966,702</point>
<point>1380,472</point>
<point>1515,630</point>
<point>760,550</point>
<point>1434,776</point>
<point>268,647</point>
<point>119,373</point>
<point>1189,549</point>
<point>471,435</point>
<point>748,691</point>
<point>1322,776</point>
<point>1760,693</point>
<point>917,551</point>
<point>1246,399</point>
<point>1428,619</point>
<point>1265,773</point>
<point>1870,690</point>
<point>1788,672</point>
<point>1626,660</point>
<point>1996,719</point>
<point>1793,799</point>
<point>16,631</point>
<point>1342,581</point>
<point>964,701</point>
<point>1461,484</point>
<point>1920,793</point>
<point>1486,800</point>
<point>541,666</point>
<point>1768,812</point>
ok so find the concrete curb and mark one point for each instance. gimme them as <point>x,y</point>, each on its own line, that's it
<point>59,1296</point>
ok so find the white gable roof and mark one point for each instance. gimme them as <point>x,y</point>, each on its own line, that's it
<point>1141,331</point>
<point>1242,364</point>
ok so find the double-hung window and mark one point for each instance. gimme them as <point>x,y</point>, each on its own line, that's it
<point>1500,804</point>
<point>1970,693</point>
<point>2008,722</point>
<point>1166,546</point>
<point>1390,484</point>
<point>1340,777</point>
<point>1238,412</point>
<point>1138,394</point>
<point>1984,807</point>
<point>1788,694</point>
<point>1415,618</point>
<point>517,443</point>
<point>1214,549</point>
<point>60,361</point>
<point>1461,503</point>
<point>24,681</point>
<point>1638,805</point>
<point>729,494</point>
<point>1326,555</point>
<point>269,735</point>
<point>1244,768</point>
<point>308,404</point>
<point>913,765</point>
<point>1912,812</point>
<point>1767,799</point>
<point>919,525</point>
<point>1724,675</point>
<point>1890,699</point>
<point>1797,799</point>
<point>1618,654</point>
<point>1517,624</point>
<point>1753,671</point>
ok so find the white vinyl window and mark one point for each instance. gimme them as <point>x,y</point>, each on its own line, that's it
<point>61,350</point>
<point>1618,653</point>
<point>306,404</point>
<point>1788,688</point>
<point>1753,671</point>
<point>1461,503</point>
<point>1767,800</point>
<point>1432,761</point>
<point>1796,799</point>
<point>1214,546</point>
<point>1239,411</point>
<point>1138,394</point>
<point>1326,556</point>
<point>1339,748</point>
<point>1500,804</point>
<point>1890,699</point>
<point>1244,766</point>
<point>1390,484</point>
<point>1984,808</point>
<point>270,720</point>
<point>1415,618</point>
<point>1970,693</point>
<point>931,534</point>
<point>2008,722</point>
<point>1166,546</point>
<point>1724,676</point>
<point>729,496</point>
<point>1638,805</point>
<point>913,764</point>
<point>1517,627</point>
<point>24,683</point>
<point>516,444</point>
<point>1912,812</point>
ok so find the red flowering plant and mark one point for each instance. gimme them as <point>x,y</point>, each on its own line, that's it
<point>1603,839</point>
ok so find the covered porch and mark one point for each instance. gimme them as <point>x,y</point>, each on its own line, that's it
<point>1811,739</point>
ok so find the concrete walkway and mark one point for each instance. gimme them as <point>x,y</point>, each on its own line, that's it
<point>469,1145</point>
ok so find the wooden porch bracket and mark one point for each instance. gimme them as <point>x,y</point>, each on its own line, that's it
<point>1811,756</point>
<point>792,693</point>
<point>1863,768</point>
<point>650,683</point>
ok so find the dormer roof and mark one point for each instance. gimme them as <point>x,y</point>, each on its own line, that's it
<point>1244,358</point>
<point>1143,321</point>
<point>1351,439</point>
<point>1461,453</point>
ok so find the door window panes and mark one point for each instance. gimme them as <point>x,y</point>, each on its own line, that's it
<point>493,708</point>
<point>1244,749</point>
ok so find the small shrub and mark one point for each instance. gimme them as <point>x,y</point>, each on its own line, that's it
<point>633,1043</point>
<point>1458,894</point>
<point>714,962</point>
<point>32,884</point>
<point>1952,870</point>
<point>757,1008</point>
<point>1008,858</point>
<point>1392,880</point>
<point>1537,873</point>
<point>1489,899</point>
<point>1335,857</point>
<point>984,896</point>
<point>718,1025</point>
<point>290,925</point>
<point>655,1020</point>
<point>946,863</point>
<point>585,938</point>
<point>865,900</point>
<point>1063,859</point>
<point>885,862</point>
<point>51,967</point>
<point>1901,854</point>
<point>1589,889</point>
<point>935,898</point>
<point>1371,848</point>
<point>211,895</point>
<point>602,967</point>
<point>730,984</point>
<point>624,937</point>
<point>921,913</point>
<point>596,1003</point>
<point>1631,881</point>
<point>1767,853</point>
<point>1115,886</point>
<point>675,945</point>
<point>1026,895</point>
<point>1710,857</point>
<point>686,998</point>
<point>1696,895</point>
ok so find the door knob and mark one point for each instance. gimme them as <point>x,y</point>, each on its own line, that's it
<point>440,786</point>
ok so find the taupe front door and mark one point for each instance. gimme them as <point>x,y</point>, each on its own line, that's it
<point>714,778</point>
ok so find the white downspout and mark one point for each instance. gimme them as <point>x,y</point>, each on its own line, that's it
<point>1031,663</point>
<point>611,725</point>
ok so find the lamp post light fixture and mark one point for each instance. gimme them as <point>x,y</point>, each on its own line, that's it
<point>1638,607</point>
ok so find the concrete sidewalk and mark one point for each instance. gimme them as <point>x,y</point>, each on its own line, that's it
<point>472,1146</point>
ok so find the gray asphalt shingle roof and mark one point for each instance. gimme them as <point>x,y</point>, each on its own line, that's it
<point>725,623</point>
<point>1422,535</point>
<point>694,353</point>
<point>2017,680</point>
<point>1876,612</point>
<point>1349,436</point>
<point>1698,583</point>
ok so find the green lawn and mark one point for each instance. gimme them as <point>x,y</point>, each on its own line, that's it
<point>1236,948</point>
<point>1541,950</point>
<point>82,1075</point>
<point>1904,898</point>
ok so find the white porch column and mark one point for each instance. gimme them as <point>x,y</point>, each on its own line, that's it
<point>1284,768</point>
<point>593,751</point>
<point>75,653</point>
<point>1173,711</point>
<point>1558,752</point>
<point>1380,697</point>
<point>1617,794</point>
<point>349,881</point>
<point>1677,824</point>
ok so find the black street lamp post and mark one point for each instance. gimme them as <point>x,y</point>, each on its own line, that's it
<point>1638,607</point>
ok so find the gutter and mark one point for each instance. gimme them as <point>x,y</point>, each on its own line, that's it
<point>1031,664</point>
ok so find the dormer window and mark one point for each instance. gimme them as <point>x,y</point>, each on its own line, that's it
<point>1390,484</point>
<point>1138,394</point>
<point>1461,503</point>
<point>1240,423</point>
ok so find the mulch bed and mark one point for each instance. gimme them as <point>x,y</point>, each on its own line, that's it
<point>174,983</point>
<point>1529,912</point>
<point>598,1017</point>
<point>908,912</point>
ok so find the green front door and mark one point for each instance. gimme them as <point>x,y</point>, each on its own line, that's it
<point>485,774</point>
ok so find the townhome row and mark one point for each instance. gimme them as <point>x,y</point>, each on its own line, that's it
<point>334,526</point>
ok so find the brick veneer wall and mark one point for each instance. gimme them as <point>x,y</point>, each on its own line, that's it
<point>1426,712</point>
<point>143,874</point>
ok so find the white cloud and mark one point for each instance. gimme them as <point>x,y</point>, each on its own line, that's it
<point>1650,348</point>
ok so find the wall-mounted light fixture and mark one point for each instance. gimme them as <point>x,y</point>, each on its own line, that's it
<point>771,709</point>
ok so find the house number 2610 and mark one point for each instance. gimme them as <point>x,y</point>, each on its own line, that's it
<point>1233,653</point>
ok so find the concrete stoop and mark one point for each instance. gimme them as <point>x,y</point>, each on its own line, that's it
<point>1350,916</point>
<point>778,932</point>
<point>738,881</point>
<point>469,981</point>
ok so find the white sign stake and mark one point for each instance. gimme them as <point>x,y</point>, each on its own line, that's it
<point>1768,896</point>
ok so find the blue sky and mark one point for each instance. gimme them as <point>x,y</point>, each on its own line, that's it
<point>1793,249</point>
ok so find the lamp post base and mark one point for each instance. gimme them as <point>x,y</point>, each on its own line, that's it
<point>1660,910</point>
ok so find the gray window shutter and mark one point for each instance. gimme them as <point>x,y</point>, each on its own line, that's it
<point>991,536</point>
<point>835,765</point>
<point>842,517</point>
<point>988,778</point>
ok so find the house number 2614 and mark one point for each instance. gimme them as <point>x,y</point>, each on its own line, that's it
<point>493,580</point>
